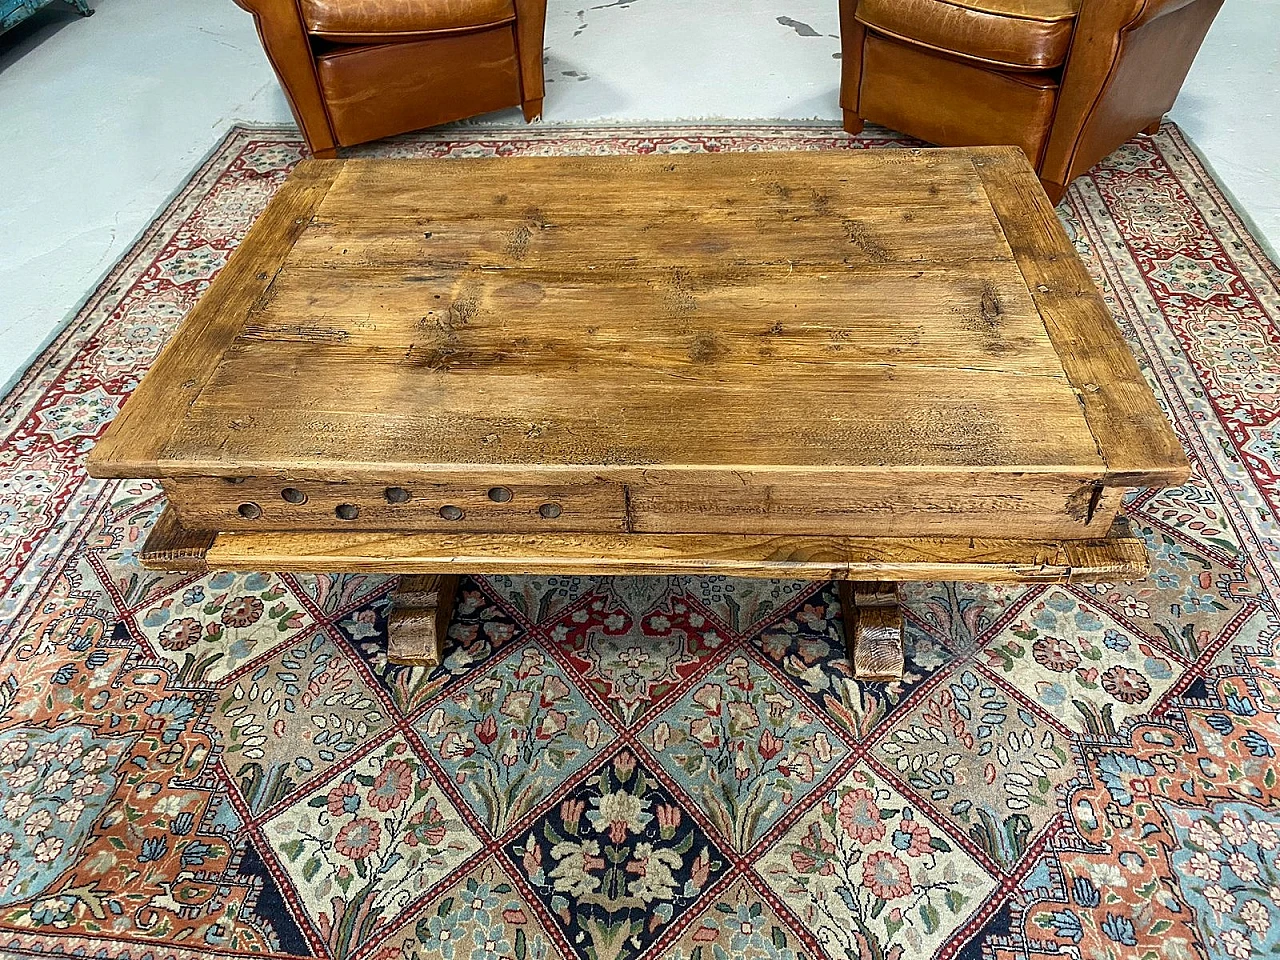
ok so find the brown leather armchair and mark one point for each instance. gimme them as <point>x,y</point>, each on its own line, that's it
<point>1066,80</point>
<point>357,70</point>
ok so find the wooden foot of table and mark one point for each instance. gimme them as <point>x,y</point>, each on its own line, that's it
<point>419,621</point>
<point>873,629</point>
<point>173,548</point>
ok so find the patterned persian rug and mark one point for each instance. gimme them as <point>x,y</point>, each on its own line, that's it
<point>226,765</point>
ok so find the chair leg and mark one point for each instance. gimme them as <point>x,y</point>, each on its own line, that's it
<point>532,110</point>
<point>853,123</point>
<point>1154,128</point>
<point>329,153</point>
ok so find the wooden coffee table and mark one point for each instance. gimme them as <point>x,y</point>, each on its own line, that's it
<point>863,366</point>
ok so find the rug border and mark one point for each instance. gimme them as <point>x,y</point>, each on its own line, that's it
<point>1269,252</point>
<point>131,249</point>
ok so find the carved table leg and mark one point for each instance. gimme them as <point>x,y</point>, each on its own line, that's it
<point>873,629</point>
<point>421,610</point>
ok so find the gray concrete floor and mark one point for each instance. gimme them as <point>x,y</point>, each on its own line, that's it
<point>101,119</point>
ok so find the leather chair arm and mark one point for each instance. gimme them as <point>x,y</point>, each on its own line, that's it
<point>1128,59</point>
<point>288,48</point>
<point>852,36</point>
<point>531,19</point>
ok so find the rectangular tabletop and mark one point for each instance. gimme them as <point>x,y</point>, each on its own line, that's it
<point>891,341</point>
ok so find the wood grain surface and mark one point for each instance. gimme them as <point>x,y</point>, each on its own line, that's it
<point>892,342</point>
<point>1133,435</point>
<point>135,445</point>
<point>1119,556</point>
<point>775,502</point>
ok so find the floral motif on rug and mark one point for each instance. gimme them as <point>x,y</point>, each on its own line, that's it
<point>227,766</point>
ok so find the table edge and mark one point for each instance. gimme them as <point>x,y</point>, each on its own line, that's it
<point>1137,449</point>
<point>1134,438</point>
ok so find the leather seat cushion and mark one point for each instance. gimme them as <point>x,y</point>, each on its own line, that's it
<point>1010,34</point>
<point>374,21</point>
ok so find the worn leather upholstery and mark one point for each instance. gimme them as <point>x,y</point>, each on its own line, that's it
<point>1009,34</point>
<point>1014,108</point>
<point>381,21</point>
<point>357,70</point>
<point>357,81</point>
<point>1124,75</point>
<point>1066,80</point>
